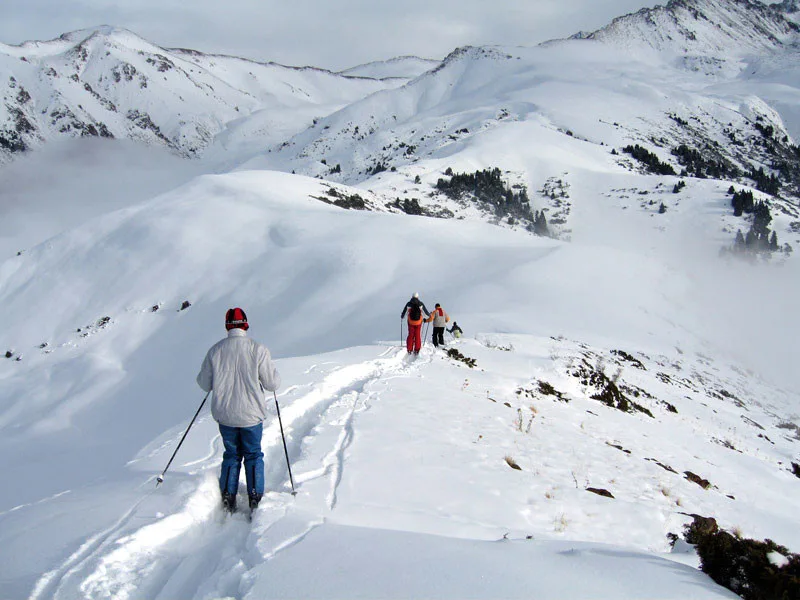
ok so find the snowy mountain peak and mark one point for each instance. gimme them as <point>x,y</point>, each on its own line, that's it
<point>107,34</point>
<point>713,28</point>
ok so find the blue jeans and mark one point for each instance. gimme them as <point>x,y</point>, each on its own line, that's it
<point>242,443</point>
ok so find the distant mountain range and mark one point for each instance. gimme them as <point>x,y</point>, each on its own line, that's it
<point>108,82</point>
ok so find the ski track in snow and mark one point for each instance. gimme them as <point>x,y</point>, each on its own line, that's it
<point>38,502</point>
<point>197,542</point>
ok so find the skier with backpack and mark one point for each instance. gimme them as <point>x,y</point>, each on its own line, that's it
<point>238,370</point>
<point>440,319</point>
<point>414,308</point>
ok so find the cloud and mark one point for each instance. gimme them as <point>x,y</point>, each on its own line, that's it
<point>333,35</point>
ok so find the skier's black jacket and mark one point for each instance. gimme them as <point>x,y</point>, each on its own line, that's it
<point>413,307</point>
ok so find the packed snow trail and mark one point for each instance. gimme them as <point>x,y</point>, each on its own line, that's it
<point>195,550</point>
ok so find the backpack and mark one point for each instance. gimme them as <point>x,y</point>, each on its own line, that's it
<point>414,312</point>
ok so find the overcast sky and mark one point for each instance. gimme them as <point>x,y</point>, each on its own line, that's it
<point>333,34</point>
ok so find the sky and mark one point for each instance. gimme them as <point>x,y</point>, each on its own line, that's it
<point>332,35</point>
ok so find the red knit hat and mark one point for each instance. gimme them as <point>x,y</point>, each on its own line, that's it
<point>234,318</point>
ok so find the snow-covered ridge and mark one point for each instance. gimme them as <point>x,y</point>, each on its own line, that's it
<point>403,67</point>
<point>712,28</point>
<point>110,82</point>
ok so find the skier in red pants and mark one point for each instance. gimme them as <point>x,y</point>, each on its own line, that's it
<point>414,307</point>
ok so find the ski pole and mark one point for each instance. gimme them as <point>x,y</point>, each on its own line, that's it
<point>285,451</point>
<point>401,332</point>
<point>425,335</point>
<point>160,478</point>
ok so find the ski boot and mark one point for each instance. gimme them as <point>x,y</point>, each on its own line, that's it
<point>254,499</point>
<point>229,502</point>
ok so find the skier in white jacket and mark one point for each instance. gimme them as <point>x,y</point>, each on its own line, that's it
<point>238,370</point>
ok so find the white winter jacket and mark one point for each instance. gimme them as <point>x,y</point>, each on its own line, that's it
<point>237,368</point>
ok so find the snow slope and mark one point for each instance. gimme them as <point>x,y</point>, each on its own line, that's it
<point>436,477</point>
<point>376,443</point>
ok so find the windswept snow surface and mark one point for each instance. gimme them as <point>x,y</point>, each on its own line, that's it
<point>402,467</point>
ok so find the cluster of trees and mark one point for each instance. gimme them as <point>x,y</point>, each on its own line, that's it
<point>696,165</point>
<point>539,225</point>
<point>758,238</point>
<point>753,242</point>
<point>487,186</point>
<point>769,184</point>
<point>649,160</point>
<point>11,141</point>
<point>765,130</point>
<point>742,202</point>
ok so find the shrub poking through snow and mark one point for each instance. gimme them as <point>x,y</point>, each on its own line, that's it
<point>346,201</point>
<point>520,422</point>
<point>548,390</point>
<point>795,466</point>
<point>606,390</point>
<point>512,463</point>
<point>186,304</point>
<point>629,358</point>
<point>9,354</point>
<point>755,570</point>
<point>456,355</point>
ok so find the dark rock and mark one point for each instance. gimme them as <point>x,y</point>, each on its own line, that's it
<point>618,447</point>
<point>703,483</point>
<point>662,465</point>
<point>700,528</point>
<point>600,492</point>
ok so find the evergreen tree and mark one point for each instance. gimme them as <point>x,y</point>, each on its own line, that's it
<point>761,218</point>
<point>540,224</point>
<point>739,244</point>
<point>773,242</point>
